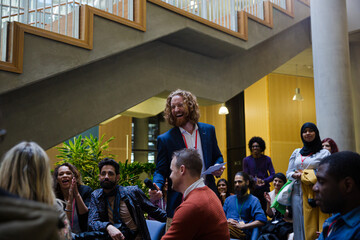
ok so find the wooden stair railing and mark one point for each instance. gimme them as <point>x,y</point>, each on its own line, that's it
<point>16,30</point>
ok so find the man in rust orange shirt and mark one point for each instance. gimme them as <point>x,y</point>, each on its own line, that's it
<point>200,216</point>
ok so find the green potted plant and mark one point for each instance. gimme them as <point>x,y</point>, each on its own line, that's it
<point>86,153</point>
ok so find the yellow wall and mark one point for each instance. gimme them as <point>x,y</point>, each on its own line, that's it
<point>120,128</point>
<point>210,115</point>
<point>273,115</point>
<point>256,101</point>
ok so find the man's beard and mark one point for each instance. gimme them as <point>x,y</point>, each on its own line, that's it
<point>183,121</point>
<point>107,184</point>
<point>241,191</point>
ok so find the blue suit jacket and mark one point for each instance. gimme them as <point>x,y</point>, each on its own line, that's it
<point>171,141</point>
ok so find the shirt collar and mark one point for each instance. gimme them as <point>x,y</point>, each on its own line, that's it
<point>198,184</point>
<point>351,218</point>
<point>182,130</point>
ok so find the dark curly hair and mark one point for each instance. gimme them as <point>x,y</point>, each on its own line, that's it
<point>56,185</point>
<point>111,162</point>
<point>189,100</point>
<point>258,140</point>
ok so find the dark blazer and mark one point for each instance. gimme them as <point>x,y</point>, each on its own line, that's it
<point>85,193</point>
<point>136,202</point>
<point>172,141</point>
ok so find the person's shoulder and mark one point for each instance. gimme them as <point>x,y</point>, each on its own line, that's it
<point>205,125</point>
<point>248,157</point>
<point>97,192</point>
<point>230,198</point>
<point>324,153</point>
<point>130,189</point>
<point>254,199</point>
<point>296,151</point>
<point>267,157</point>
<point>168,133</point>
<point>85,188</point>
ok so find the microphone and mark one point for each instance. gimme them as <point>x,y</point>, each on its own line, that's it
<point>149,184</point>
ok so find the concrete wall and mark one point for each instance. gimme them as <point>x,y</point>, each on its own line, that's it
<point>71,101</point>
<point>44,58</point>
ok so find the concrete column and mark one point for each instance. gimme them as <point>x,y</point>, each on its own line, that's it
<point>141,129</point>
<point>332,79</point>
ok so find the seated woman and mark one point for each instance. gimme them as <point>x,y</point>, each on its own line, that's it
<point>280,225</point>
<point>25,171</point>
<point>279,181</point>
<point>68,187</point>
<point>223,190</point>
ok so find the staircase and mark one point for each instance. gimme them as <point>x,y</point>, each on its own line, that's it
<point>68,86</point>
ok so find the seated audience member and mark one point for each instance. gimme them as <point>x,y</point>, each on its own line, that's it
<point>280,226</point>
<point>279,181</point>
<point>25,171</point>
<point>119,210</point>
<point>35,219</point>
<point>223,190</point>
<point>200,215</point>
<point>330,145</point>
<point>338,191</point>
<point>243,210</point>
<point>68,187</point>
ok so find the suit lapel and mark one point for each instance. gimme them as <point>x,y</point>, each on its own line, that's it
<point>204,144</point>
<point>178,139</point>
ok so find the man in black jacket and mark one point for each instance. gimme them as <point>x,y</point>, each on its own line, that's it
<point>113,205</point>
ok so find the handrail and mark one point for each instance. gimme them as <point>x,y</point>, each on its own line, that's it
<point>17,30</point>
<point>15,33</point>
<point>241,16</point>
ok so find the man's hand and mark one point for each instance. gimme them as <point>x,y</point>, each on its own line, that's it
<point>218,172</point>
<point>155,194</point>
<point>260,182</point>
<point>236,224</point>
<point>114,233</point>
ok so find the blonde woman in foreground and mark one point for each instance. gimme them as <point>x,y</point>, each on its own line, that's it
<point>25,171</point>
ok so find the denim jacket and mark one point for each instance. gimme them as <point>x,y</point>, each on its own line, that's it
<point>343,226</point>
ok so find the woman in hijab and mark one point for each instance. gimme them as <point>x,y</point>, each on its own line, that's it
<point>302,163</point>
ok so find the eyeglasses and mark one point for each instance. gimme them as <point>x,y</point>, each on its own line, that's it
<point>255,146</point>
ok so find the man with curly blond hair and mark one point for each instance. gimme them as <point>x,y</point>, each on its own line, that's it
<point>182,112</point>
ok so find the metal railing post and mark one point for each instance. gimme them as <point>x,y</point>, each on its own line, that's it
<point>26,11</point>
<point>204,9</point>
<point>233,22</point>
<point>131,10</point>
<point>4,32</point>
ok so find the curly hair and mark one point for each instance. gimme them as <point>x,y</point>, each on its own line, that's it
<point>333,145</point>
<point>258,140</point>
<point>189,100</point>
<point>74,171</point>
